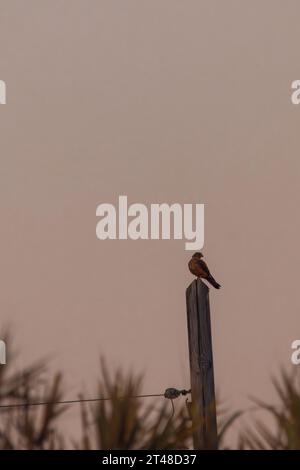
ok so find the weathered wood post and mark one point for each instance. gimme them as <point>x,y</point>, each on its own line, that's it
<point>201,366</point>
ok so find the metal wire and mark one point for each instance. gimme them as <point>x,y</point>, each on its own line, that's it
<point>85,400</point>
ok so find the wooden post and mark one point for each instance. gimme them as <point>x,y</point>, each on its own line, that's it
<point>201,366</point>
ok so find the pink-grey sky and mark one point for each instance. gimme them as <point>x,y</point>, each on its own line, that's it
<point>167,101</point>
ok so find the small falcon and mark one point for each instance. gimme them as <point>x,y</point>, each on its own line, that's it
<point>199,268</point>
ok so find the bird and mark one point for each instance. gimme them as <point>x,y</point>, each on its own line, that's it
<point>199,268</point>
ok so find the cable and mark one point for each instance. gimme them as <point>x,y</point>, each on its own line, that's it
<point>70,402</point>
<point>84,400</point>
<point>173,409</point>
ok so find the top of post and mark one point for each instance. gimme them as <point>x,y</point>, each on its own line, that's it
<point>199,285</point>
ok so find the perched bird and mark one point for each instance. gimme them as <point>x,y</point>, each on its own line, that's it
<point>199,268</point>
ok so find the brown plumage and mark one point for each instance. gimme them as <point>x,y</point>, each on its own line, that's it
<point>199,268</point>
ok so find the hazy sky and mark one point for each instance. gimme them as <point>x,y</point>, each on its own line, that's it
<point>173,101</point>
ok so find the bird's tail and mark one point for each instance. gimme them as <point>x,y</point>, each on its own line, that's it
<point>213,282</point>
